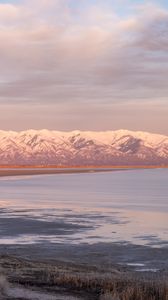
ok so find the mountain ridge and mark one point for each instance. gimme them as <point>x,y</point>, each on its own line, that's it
<point>72,148</point>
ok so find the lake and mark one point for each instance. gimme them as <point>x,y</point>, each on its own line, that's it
<point>127,206</point>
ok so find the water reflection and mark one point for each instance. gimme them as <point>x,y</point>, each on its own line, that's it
<point>118,206</point>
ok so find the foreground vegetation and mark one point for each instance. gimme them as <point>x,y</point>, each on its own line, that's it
<point>82,281</point>
<point>109,286</point>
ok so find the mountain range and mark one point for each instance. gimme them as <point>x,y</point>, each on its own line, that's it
<point>82,148</point>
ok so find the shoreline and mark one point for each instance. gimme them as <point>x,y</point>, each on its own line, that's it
<point>49,170</point>
<point>82,166</point>
<point>45,171</point>
<point>59,274</point>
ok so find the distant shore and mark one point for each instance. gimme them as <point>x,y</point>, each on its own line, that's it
<point>47,170</point>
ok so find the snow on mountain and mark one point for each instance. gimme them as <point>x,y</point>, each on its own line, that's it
<point>46,147</point>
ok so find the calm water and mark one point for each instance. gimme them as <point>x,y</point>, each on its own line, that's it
<point>129,206</point>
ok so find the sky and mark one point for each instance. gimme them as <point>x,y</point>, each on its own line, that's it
<point>84,64</point>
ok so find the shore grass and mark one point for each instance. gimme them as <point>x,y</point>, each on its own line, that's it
<point>109,286</point>
<point>86,282</point>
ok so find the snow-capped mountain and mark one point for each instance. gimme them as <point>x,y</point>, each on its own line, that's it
<point>44,147</point>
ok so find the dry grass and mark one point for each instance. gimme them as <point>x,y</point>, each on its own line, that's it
<point>109,286</point>
<point>145,292</point>
<point>3,285</point>
<point>88,282</point>
<point>109,296</point>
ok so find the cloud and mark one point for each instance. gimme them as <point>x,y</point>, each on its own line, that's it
<point>58,52</point>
